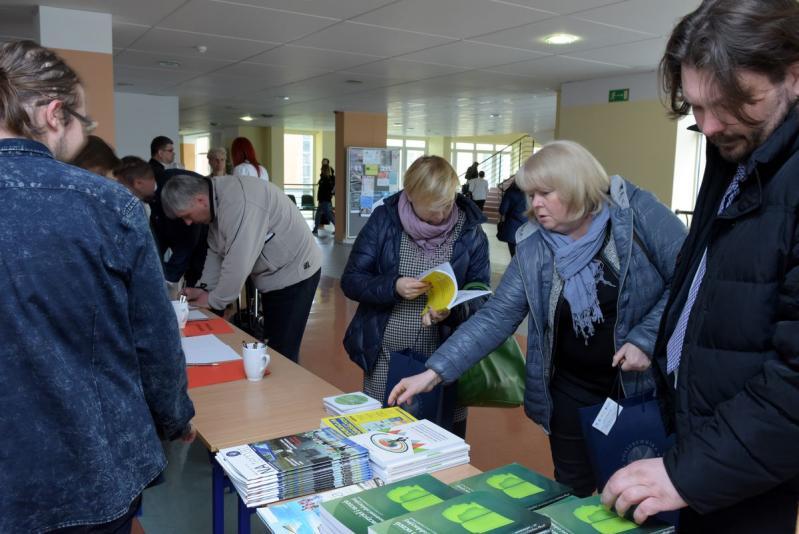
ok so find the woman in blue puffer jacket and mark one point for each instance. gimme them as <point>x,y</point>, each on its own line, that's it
<point>424,225</point>
<point>592,269</point>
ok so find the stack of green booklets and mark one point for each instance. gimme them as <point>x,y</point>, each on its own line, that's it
<point>525,487</point>
<point>356,513</point>
<point>588,516</point>
<point>476,512</point>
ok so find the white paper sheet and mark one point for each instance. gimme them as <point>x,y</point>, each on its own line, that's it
<point>207,349</point>
<point>197,315</point>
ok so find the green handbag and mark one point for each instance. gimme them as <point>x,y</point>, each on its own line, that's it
<point>496,381</point>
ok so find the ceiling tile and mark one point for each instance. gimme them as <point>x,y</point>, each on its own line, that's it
<point>161,78</point>
<point>592,35</point>
<point>399,69</point>
<point>185,43</point>
<point>146,12</point>
<point>269,75</point>
<point>638,55</point>
<point>473,55</point>
<point>637,14</point>
<point>197,63</point>
<point>562,7</point>
<point>339,9</point>
<point>555,70</point>
<point>316,58</point>
<point>244,22</point>
<point>18,23</point>
<point>124,34</point>
<point>451,18</point>
<point>356,37</point>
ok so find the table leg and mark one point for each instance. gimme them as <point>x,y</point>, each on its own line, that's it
<point>244,516</point>
<point>217,496</point>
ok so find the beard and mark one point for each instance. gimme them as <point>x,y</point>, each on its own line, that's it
<point>736,148</point>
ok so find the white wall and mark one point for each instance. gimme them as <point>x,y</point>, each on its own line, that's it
<point>140,118</point>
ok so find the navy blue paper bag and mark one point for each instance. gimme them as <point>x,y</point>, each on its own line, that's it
<point>437,405</point>
<point>637,434</point>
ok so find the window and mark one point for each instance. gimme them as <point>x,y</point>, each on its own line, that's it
<point>496,160</point>
<point>298,166</point>
<point>201,146</point>
<point>412,149</point>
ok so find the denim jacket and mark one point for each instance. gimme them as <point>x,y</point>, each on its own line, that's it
<point>646,236</point>
<point>91,366</point>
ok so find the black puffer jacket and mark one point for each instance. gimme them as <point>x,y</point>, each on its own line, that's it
<point>736,405</point>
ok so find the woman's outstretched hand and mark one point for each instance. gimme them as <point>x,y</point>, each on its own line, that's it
<point>406,388</point>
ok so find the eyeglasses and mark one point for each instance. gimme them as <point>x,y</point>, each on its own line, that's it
<point>88,124</point>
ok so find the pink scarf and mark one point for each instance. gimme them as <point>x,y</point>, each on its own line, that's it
<point>426,236</point>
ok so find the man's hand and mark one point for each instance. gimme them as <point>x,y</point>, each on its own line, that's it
<point>409,386</point>
<point>197,297</point>
<point>410,288</point>
<point>434,317</point>
<point>644,483</point>
<point>631,358</point>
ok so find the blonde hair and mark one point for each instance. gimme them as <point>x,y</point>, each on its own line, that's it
<point>431,180</point>
<point>570,169</point>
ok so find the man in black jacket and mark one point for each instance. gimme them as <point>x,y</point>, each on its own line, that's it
<point>728,347</point>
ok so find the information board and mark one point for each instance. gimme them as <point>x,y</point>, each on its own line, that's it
<point>372,174</point>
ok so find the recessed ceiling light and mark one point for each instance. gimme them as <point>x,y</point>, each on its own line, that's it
<point>246,118</point>
<point>561,39</point>
<point>495,115</point>
<point>169,64</point>
<point>284,98</point>
<point>397,124</point>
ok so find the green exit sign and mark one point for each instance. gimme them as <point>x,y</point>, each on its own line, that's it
<point>619,95</point>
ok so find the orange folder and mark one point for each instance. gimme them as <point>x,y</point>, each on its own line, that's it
<point>211,326</point>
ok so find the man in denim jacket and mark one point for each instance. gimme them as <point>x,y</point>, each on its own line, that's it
<point>91,368</point>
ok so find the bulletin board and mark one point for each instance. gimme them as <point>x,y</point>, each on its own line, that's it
<point>372,174</point>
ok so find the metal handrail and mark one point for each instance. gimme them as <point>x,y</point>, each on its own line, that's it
<point>519,140</point>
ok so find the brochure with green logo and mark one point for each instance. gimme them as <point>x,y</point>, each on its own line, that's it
<point>358,512</point>
<point>588,516</point>
<point>472,513</point>
<point>526,487</point>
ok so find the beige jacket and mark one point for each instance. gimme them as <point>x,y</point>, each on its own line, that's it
<point>258,232</point>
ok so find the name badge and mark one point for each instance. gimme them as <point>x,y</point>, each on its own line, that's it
<point>607,416</point>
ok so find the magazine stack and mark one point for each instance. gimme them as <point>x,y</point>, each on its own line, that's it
<point>295,465</point>
<point>350,403</point>
<point>412,448</point>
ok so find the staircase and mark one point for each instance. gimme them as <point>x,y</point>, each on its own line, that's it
<point>499,167</point>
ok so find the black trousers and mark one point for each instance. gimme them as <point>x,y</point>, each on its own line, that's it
<point>480,204</point>
<point>286,313</point>
<point>569,451</point>
<point>121,525</point>
<point>512,249</point>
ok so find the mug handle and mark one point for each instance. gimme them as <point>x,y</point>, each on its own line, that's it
<point>264,362</point>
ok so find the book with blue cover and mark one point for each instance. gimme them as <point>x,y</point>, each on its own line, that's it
<point>526,487</point>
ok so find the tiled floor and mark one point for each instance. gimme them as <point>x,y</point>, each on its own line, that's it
<point>497,436</point>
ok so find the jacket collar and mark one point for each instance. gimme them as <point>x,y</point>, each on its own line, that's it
<point>781,139</point>
<point>20,146</point>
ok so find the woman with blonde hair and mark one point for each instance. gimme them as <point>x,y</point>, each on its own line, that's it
<point>592,269</point>
<point>422,226</point>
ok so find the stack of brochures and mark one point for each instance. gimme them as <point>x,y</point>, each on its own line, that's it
<point>301,515</point>
<point>294,465</point>
<point>411,449</point>
<point>356,513</point>
<point>587,516</point>
<point>360,423</point>
<point>350,403</point>
<point>525,487</point>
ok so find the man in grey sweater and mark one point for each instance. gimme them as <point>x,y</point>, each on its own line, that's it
<point>254,230</point>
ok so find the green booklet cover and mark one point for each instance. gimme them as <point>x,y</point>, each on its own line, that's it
<point>471,513</point>
<point>358,512</point>
<point>588,516</point>
<point>526,487</point>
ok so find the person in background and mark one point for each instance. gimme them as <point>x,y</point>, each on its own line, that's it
<point>512,215</point>
<point>478,187</point>
<point>137,175</point>
<point>256,232</point>
<point>87,388</point>
<point>245,163</point>
<point>326,188</point>
<point>592,269</point>
<point>97,157</point>
<point>162,155</point>
<point>728,347</point>
<point>217,161</point>
<point>424,225</point>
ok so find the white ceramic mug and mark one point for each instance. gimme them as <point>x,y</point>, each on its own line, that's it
<point>256,360</point>
<point>181,312</point>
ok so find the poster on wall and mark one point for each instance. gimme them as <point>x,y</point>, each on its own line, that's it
<point>372,174</point>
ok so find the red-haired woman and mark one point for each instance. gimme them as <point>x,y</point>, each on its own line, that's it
<point>242,154</point>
